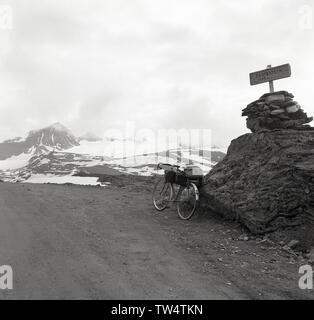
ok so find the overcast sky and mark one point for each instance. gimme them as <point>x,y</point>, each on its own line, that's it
<point>93,65</point>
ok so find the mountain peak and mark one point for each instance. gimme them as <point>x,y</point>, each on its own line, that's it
<point>55,136</point>
<point>58,127</point>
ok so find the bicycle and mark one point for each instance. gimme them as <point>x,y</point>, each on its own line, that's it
<point>187,194</point>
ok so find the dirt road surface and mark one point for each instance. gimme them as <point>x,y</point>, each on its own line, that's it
<point>80,242</point>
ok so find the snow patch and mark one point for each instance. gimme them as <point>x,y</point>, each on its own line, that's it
<point>15,162</point>
<point>51,178</point>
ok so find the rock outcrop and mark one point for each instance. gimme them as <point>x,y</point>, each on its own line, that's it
<point>266,180</point>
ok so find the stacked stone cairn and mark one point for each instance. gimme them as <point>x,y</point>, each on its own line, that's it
<point>275,110</point>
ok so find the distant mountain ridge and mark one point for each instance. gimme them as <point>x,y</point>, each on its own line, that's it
<point>52,137</point>
<point>53,151</point>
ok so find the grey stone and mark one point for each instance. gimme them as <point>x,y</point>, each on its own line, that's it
<point>293,243</point>
<point>275,97</point>
<point>311,256</point>
<point>243,237</point>
<point>265,181</point>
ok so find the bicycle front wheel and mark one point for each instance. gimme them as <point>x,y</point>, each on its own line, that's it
<point>187,201</point>
<point>162,194</point>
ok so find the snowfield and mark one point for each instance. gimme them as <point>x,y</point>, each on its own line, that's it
<point>15,162</point>
<point>51,178</point>
<point>139,158</point>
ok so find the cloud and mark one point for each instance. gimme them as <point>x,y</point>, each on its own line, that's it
<point>175,63</point>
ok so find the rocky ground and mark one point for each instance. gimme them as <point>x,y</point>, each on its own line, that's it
<point>266,181</point>
<point>68,241</point>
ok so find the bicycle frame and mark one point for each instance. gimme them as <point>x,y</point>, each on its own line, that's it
<point>181,188</point>
<point>168,167</point>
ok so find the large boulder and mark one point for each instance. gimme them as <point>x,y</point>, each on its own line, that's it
<point>266,180</point>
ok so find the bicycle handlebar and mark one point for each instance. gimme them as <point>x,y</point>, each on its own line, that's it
<point>166,166</point>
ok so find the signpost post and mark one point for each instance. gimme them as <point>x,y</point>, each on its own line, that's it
<point>271,82</point>
<point>270,74</point>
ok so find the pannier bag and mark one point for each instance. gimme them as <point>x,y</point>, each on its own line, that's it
<point>193,171</point>
<point>195,174</point>
<point>170,176</point>
<point>181,179</point>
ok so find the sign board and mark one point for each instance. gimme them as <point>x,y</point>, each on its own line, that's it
<point>270,74</point>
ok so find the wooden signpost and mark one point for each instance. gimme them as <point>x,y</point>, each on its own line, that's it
<point>270,74</point>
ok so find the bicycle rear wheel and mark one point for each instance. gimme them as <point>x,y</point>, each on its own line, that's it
<point>187,201</point>
<point>162,194</point>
